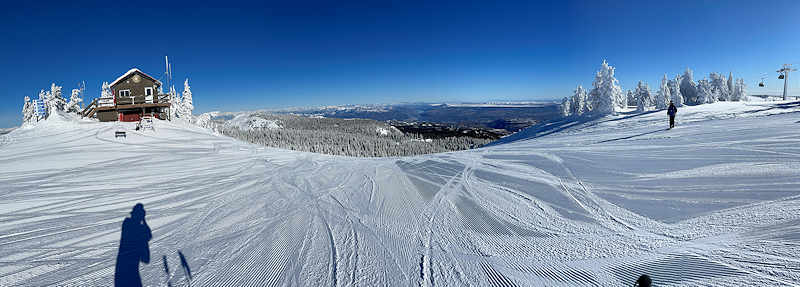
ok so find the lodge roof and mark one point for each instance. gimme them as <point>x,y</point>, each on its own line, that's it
<point>131,72</point>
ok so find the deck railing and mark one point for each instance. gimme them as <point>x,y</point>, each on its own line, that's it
<point>105,102</point>
<point>160,99</point>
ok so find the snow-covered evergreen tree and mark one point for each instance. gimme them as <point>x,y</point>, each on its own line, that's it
<point>689,88</point>
<point>565,108</point>
<point>630,98</point>
<point>580,102</point>
<point>54,100</point>
<point>664,95</point>
<point>45,97</point>
<point>106,97</point>
<point>74,101</point>
<point>643,97</point>
<point>27,111</point>
<point>204,120</point>
<point>730,84</point>
<point>606,94</point>
<point>720,86</point>
<point>58,96</point>
<point>739,91</point>
<point>675,91</point>
<point>175,104</point>
<point>705,92</point>
<point>187,105</point>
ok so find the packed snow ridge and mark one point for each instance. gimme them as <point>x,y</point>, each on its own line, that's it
<point>573,202</point>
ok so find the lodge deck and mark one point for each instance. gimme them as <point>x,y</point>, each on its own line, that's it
<point>133,106</point>
<point>94,108</point>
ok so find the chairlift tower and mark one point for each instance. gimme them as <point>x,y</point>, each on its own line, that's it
<point>784,74</point>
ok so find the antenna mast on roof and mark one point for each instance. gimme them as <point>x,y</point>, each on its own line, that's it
<point>82,87</point>
<point>170,85</point>
<point>167,72</point>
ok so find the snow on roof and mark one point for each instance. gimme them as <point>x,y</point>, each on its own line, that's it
<point>131,71</point>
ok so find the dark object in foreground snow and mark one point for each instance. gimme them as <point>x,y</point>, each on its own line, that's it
<point>185,265</point>
<point>644,281</point>
<point>119,134</point>
<point>133,248</point>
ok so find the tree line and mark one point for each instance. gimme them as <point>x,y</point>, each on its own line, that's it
<point>606,95</point>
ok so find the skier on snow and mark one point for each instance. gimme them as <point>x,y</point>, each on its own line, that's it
<point>671,111</point>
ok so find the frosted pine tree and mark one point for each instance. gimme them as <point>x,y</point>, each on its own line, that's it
<point>204,120</point>
<point>33,115</point>
<point>565,107</point>
<point>27,111</point>
<point>643,97</point>
<point>52,98</point>
<point>56,98</point>
<point>74,101</point>
<point>730,85</point>
<point>46,99</point>
<point>186,102</point>
<point>630,98</point>
<point>675,91</point>
<point>739,91</point>
<point>689,88</point>
<point>663,97</point>
<point>720,86</point>
<point>106,98</point>
<point>580,102</point>
<point>606,93</point>
<point>175,104</point>
<point>705,93</point>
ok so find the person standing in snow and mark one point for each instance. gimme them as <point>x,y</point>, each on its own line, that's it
<point>133,248</point>
<point>671,111</point>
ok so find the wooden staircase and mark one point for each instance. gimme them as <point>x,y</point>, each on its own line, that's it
<point>90,109</point>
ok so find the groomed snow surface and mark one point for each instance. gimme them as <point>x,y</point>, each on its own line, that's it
<point>580,202</point>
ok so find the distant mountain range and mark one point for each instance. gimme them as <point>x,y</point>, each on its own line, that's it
<point>509,116</point>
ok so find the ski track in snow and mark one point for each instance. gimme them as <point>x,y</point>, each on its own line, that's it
<point>715,201</point>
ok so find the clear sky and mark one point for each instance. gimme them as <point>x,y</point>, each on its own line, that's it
<point>251,55</point>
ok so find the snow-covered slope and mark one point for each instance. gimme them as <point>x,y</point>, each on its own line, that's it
<point>593,202</point>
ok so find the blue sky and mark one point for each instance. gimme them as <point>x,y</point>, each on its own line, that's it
<point>250,55</point>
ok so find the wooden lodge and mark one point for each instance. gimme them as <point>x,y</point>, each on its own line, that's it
<point>133,96</point>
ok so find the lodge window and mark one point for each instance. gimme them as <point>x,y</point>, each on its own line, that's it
<point>148,91</point>
<point>125,93</point>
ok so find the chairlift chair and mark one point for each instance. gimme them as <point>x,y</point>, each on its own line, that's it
<point>780,77</point>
